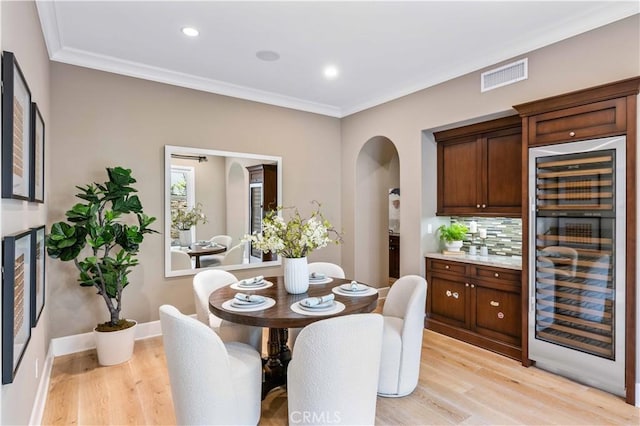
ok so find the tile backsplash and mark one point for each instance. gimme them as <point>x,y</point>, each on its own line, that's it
<point>504,234</point>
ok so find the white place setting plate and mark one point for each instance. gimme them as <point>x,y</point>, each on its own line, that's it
<point>360,290</point>
<point>236,305</point>
<point>333,308</point>
<point>260,285</point>
<point>323,280</point>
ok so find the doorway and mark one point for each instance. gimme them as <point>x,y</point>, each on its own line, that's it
<point>377,171</point>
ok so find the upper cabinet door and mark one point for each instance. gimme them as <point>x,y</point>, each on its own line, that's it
<point>504,164</point>
<point>479,169</point>
<point>459,175</point>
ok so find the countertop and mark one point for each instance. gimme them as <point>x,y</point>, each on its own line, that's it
<point>508,262</point>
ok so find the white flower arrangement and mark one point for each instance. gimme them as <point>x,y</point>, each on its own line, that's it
<point>184,219</point>
<point>294,238</point>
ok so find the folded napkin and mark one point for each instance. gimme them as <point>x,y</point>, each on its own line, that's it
<point>317,276</point>
<point>353,286</point>
<point>251,298</point>
<point>310,302</point>
<point>254,280</point>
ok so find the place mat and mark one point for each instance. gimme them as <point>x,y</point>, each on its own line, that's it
<point>369,292</point>
<point>326,280</point>
<point>337,308</point>
<point>268,304</point>
<point>265,284</point>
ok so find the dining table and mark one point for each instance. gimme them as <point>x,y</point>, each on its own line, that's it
<point>283,315</point>
<point>197,250</point>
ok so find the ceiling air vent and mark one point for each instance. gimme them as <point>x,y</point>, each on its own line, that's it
<point>506,74</point>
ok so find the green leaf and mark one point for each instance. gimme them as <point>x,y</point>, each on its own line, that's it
<point>120,176</point>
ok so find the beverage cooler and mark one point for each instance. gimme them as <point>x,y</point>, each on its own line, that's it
<point>577,261</point>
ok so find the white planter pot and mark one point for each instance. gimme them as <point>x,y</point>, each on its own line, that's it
<point>115,347</point>
<point>296,275</point>
<point>453,245</point>
<point>185,238</point>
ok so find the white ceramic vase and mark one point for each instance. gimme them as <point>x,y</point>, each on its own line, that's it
<point>185,238</point>
<point>296,275</point>
<point>115,347</point>
<point>453,245</point>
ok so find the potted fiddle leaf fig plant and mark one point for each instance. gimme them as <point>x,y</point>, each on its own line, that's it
<point>102,236</point>
<point>453,235</point>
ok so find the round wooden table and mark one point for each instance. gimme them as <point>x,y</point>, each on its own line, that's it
<point>197,251</point>
<point>280,317</point>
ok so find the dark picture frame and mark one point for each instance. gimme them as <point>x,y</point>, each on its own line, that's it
<point>38,266</point>
<point>16,130</point>
<point>16,302</point>
<point>36,187</point>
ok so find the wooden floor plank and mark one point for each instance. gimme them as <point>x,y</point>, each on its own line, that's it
<point>459,384</point>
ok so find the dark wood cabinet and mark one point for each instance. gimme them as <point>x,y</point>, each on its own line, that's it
<point>263,197</point>
<point>394,256</point>
<point>478,304</point>
<point>479,169</point>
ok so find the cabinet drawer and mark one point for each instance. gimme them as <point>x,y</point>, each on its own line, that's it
<point>598,119</point>
<point>445,266</point>
<point>498,274</point>
<point>498,312</point>
<point>447,300</point>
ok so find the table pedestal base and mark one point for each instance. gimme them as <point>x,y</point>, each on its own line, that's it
<point>279,355</point>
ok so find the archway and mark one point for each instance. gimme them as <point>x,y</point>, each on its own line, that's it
<point>377,170</point>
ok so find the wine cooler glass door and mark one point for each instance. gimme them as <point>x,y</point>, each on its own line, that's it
<point>576,309</point>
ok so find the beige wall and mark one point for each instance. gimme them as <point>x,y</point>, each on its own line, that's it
<point>600,56</point>
<point>603,55</point>
<point>102,119</point>
<point>21,35</point>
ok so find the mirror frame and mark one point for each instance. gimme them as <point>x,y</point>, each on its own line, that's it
<point>169,150</point>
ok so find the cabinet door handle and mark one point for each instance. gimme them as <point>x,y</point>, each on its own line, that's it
<point>494,303</point>
<point>477,206</point>
<point>496,275</point>
<point>448,293</point>
<point>446,266</point>
<point>455,295</point>
<point>484,206</point>
<point>572,134</point>
<point>466,284</point>
<point>473,286</point>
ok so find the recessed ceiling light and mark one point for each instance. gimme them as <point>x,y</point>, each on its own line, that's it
<point>330,72</point>
<point>268,55</point>
<point>190,31</point>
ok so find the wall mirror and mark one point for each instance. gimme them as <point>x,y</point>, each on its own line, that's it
<point>212,199</point>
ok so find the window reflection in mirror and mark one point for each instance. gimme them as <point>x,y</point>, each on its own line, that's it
<point>211,199</point>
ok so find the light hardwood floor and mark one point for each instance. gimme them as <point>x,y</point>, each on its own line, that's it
<point>459,384</point>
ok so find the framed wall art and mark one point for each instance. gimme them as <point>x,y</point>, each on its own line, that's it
<point>38,258</point>
<point>16,301</point>
<point>36,189</point>
<point>16,130</point>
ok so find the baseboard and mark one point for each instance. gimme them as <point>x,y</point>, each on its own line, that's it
<point>37,412</point>
<point>85,341</point>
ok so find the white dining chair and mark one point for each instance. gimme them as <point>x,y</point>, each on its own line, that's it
<point>233,256</point>
<point>403,313</point>
<point>212,383</point>
<point>329,269</point>
<point>180,260</point>
<point>205,283</point>
<point>224,240</point>
<point>330,377</point>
